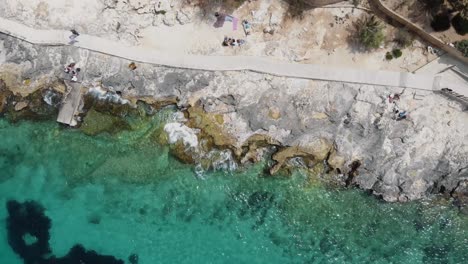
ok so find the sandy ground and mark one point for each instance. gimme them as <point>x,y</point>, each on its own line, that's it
<point>319,36</point>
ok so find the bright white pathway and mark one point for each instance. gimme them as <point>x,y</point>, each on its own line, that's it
<point>222,63</point>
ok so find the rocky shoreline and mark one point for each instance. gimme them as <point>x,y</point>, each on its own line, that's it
<point>345,133</point>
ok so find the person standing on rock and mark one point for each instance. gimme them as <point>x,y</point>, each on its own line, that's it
<point>75,74</point>
<point>70,67</point>
<point>73,37</point>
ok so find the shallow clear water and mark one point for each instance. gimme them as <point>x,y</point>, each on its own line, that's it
<point>123,194</point>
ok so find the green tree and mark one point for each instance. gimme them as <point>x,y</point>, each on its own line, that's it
<point>460,21</point>
<point>459,5</point>
<point>369,32</point>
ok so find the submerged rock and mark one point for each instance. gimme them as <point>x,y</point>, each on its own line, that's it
<point>180,151</point>
<point>21,105</point>
<point>133,259</point>
<point>312,154</point>
<point>461,196</point>
<point>96,122</point>
<point>211,126</point>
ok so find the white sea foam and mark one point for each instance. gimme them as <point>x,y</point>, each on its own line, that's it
<point>223,160</point>
<point>199,171</point>
<point>48,97</point>
<point>102,94</point>
<point>178,131</point>
<point>178,117</point>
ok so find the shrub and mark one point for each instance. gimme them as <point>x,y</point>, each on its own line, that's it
<point>388,56</point>
<point>459,5</point>
<point>440,22</point>
<point>404,38</point>
<point>369,32</point>
<point>396,53</point>
<point>356,2</point>
<point>431,5</point>
<point>460,23</point>
<point>462,46</point>
<point>227,6</point>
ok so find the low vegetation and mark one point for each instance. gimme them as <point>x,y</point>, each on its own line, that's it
<point>397,53</point>
<point>404,38</point>
<point>356,3</point>
<point>462,46</point>
<point>388,55</point>
<point>369,32</point>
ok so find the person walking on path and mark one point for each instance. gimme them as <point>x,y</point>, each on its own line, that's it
<point>73,36</point>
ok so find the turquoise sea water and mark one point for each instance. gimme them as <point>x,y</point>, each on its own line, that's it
<point>123,194</point>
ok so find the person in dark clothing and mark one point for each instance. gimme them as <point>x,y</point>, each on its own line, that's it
<point>73,36</point>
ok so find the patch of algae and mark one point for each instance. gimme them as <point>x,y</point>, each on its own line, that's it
<point>106,107</point>
<point>312,154</point>
<point>211,128</point>
<point>160,136</point>
<point>180,152</point>
<point>156,103</point>
<point>11,76</point>
<point>4,95</point>
<point>313,177</point>
<point>96,122</point>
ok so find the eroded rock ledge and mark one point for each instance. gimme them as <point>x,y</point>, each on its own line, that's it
<point>346,129</point>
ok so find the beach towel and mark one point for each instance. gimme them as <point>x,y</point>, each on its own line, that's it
<point>234,23</point>
<point>223,18</point>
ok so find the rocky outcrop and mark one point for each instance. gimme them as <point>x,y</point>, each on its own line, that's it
<point>312,153</point>
<point>347,129</point>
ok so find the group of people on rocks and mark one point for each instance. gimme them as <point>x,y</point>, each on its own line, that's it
<point>70,69</point>
<point>233,42</point>
<point>398,114</point>
<point>230,41</point>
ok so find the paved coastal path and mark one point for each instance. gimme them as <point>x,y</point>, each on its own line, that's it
<point>221,63</point>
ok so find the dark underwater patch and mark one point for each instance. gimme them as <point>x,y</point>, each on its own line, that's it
<point>25,219</point>
<point>28,236</point>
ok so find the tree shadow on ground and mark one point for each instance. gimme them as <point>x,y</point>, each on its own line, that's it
<point>225,6</point>
<point>297,8</point>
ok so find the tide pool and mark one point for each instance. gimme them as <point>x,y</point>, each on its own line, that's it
<point>124,194</point>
